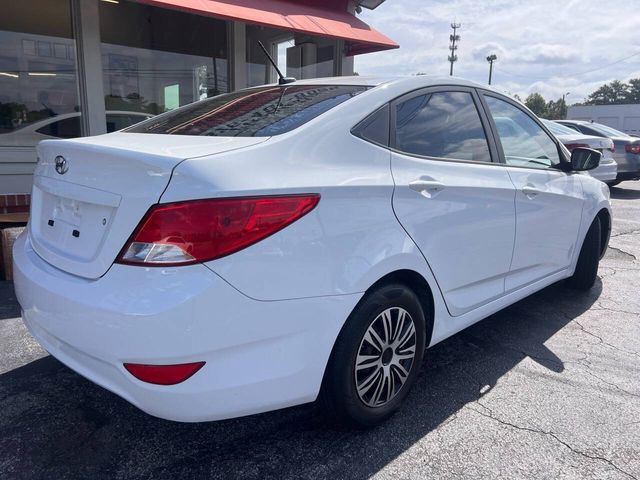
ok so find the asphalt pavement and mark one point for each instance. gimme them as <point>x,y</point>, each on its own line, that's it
<point>548,388</point>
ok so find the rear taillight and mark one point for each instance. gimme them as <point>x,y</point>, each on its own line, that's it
<point>201,230</point>
<point>163,374</point>
<point>571,146</point>
<point>632,148</point>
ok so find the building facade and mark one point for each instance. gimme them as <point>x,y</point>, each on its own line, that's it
<point>625,118</point>
<point>72,68</point>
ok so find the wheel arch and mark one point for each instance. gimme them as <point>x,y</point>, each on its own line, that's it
<point>419,285</point>
<point>605,231</point>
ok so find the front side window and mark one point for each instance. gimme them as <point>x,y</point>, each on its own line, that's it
<point>259,112</point>
<point>524,142</point>
<point>442,125</point>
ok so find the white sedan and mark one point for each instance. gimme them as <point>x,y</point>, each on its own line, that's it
<point>607,171</point>
<point>18,147</point>
<point>282,244</point>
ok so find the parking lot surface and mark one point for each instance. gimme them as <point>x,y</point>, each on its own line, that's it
<point>548,388</point>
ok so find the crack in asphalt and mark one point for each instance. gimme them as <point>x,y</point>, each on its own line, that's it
<point>551,434</point>
<point>624,252</point>
<point>601,341</point>
<point>620,234</point>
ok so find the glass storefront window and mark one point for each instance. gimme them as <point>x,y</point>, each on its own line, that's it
<point>298,56</point>
<point>155,59</point>
<point>38,84</point>
<point>311,57</point>
<point>37,66</point>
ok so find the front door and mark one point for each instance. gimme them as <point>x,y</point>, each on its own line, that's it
<point>455,203</point>
<point>548,201</point>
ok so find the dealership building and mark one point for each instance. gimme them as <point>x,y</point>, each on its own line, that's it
<point>73,68</point>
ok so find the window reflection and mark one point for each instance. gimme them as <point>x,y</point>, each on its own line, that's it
<point>155,60</point>
<point>443,125</point>
<point>524,142</point>
<point>37,69</point>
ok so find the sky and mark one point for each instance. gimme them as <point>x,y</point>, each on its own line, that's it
<point>545,46</point>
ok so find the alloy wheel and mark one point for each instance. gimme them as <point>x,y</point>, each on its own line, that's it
<point>385,357</point>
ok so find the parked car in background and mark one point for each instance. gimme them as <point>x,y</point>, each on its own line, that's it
<point>18,148</point>
<point>627,148</point>
<point>607,171</point>
<point>287,243</point>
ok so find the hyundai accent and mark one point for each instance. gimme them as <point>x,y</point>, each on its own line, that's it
<point>292,243</point>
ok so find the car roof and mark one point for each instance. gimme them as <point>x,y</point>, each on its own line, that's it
<point>576,122</point>
<point>411,82</point>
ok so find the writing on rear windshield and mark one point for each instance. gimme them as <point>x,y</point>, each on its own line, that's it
<point>259,112</point>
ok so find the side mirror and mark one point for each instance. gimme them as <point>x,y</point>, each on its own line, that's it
<point>584,159</point>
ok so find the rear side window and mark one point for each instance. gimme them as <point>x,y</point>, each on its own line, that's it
<point>118,121</point>
<point>443,125</point>
<point>67,128</point>
<point>259,112</point>
<point>375,128</point>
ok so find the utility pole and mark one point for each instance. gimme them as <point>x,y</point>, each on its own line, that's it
<point>564,110</point>
<point>453,47</point>
<point>491,58</point>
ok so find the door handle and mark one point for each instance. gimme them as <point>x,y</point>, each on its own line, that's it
<point>530,191</point>
<point>426,187</point>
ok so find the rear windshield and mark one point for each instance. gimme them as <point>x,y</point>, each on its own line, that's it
<point>259,112</point>
<point>558,129</point>
<point>608,131</point>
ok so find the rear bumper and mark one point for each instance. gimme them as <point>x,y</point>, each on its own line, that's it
<point>606,172</point>
<point>259,356</point>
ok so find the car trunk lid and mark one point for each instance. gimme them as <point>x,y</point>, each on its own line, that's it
<point>90,194</point>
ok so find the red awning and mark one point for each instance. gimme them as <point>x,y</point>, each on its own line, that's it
<point>290,15</point>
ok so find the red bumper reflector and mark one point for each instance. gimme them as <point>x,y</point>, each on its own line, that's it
<point>163,374</point>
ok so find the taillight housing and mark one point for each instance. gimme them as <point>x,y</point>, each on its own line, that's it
<point>195,231</point>
<point>632,148</point>
<point>571,146</point>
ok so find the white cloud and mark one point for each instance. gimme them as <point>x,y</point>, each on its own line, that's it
<point>544,46</point>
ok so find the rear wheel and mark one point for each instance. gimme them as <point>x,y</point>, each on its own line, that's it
<point>587,267</point>
<point>376,358</point>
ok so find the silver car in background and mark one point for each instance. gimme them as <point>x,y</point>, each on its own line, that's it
<point>627,148</point>
<point>607,171</point>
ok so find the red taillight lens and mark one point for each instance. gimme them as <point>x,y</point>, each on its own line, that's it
<point>571,146</point>
<point>632,148</point>
<point>201,230</point>
<point>163,374</point>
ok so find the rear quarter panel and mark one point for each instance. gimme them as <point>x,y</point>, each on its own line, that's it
<point>343,246</point>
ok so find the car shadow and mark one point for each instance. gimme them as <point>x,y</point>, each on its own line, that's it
<point>619,193</point>
<point>55,424</point>
<point>9,308</point>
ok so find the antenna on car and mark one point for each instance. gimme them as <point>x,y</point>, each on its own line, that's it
<point>282,80</point>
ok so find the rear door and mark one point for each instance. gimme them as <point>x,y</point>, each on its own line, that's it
<point>548,201</point>
<point>451,197</point>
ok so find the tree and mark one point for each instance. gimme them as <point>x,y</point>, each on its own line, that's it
<point>557,110</point>
<point>537,104</point>
<point>612,93</point>
<point>633,93</point>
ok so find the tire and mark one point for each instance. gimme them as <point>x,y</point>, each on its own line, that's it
<point>587,267</point>
<point>613,183</point>
<point>367,396</point>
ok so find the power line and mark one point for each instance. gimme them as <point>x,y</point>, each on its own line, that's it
<point>572,74</point>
